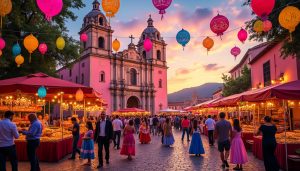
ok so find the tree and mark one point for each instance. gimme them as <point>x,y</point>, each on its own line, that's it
<point>238,85</point>
<point>278,33</point>
<point>26,18</point>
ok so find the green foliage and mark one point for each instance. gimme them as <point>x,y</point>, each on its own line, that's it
<point>239,85</point>
<point>26,18</point>
<point>278,33</point>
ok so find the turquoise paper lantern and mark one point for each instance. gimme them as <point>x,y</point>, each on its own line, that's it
<point>183,37</point>
<point>16,50</point>
<point>42,92</point>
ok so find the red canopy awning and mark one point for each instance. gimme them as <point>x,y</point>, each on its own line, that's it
<point>31,83</point>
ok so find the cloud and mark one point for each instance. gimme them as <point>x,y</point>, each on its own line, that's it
<point>182,71</point>
<point>212,67</point>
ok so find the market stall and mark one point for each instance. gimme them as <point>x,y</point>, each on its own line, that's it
<point>131,112</point>
<point>169,112</point>
<point>36,92</point>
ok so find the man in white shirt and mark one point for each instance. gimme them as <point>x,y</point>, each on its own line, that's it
<point>210,125</point>
<point>8,133</point>
<point>117,126</point>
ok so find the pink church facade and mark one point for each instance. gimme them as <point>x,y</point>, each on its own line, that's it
<point>130,78</point>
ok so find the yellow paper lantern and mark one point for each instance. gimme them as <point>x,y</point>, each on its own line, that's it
<point>31,43</point>
<point>111,7</point>
<point>79,95</point>
<point>19,60</point>
<point>289,18</point>
<point>60,43</point>
<point>5,8</point>
<point>116,45</point>
<point>258,26</point>
<point>208,43</point>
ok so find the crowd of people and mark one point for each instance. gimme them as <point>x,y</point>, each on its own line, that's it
<point>109,130</point>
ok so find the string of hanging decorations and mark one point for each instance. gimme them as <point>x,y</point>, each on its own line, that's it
<point>289,18</point>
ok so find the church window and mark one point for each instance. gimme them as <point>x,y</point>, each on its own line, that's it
<point>158,55</point>
<point>76,80</point>
<point>82,65</point>
<point>144,54</point>
<point>82,78</point>
<point>102,76</point>
<point>101,42</point>
<point>133,76</point>
<point>62,77</point>
<point>70,72</point>
<point>158,36</point>
<point>160,83</point>
<point>101,21</point>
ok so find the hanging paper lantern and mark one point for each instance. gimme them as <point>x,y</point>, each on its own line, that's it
<point>267,25</point>
<point>235,51</point>
<point>79,95</point>
<point>262,8</point>
<point>19,60</point>
<point>83,37</point>
<point>219,24</point>
<point>289,18</point>
<point>208,43</point>
<point>162,5</point>
<point>16,49</point>
<point>31,43</point>
<point>111,7</point>
<point>242,35</point>
<point>2,43</point>
<point>50,8</point>
<point>258,26</point>
<point>5,8</point>
<point>42,92</point>
<point>43,48</point>
<point>183,37</point>
<point>60,43</point>
<point>147,44</point>
<point>116,45</point>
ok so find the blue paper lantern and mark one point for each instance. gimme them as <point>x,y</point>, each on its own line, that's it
<point>183,37</point>
<point>16,50</point>
<point>42,92</point>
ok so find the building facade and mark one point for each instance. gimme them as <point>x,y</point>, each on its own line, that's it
<point>130,78</point>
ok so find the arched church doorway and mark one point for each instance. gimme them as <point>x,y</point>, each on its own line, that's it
<point>133,102</point>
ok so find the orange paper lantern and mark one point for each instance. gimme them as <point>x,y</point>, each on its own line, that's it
<point>208,43</point>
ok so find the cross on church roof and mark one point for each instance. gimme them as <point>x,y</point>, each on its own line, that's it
<point>131,38</point>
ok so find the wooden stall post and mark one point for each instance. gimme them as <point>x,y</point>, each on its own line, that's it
<point>286,111</point>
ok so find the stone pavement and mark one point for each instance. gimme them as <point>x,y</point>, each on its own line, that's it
<point>153,157</point>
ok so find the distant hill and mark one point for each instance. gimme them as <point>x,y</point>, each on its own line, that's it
<point>203,91</point>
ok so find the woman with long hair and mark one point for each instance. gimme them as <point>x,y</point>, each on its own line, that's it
<point>196,146</point>
<point>145,132</point>
<point>87,149</point>
<point>128,147</point>
<point>168,138</point>
<point>238,153</point>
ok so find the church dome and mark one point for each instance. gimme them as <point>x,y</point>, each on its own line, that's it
<point>95,17</point>
<point>150,31</point>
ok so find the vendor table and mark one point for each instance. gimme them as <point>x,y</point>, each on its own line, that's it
<point>279,152</point>
<point>47,151</point>
<point>247,136</point>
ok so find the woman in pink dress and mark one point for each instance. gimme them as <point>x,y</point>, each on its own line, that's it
<point>238,154</point>
<point>128,147</point>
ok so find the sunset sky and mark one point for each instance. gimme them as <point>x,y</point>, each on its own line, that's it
<point>191,67</point>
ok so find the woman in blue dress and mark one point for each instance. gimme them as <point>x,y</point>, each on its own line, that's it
<point>168,138</point>
<point>196,144</point>
<point>87,148</point>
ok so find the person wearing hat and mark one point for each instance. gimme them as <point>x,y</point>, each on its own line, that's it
<point>103,136</point>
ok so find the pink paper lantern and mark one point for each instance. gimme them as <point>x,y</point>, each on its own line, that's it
<point>43,48</point>
<point>2,43</point>
<point>147,44</point>
<point>235,51</point>
<point>242,35</point>
<point>162,5</point>
<point>83,37</point>
<point>262,8</point>
<point>50,8</point>
<point>219,24</point>
<point>267,25</point>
